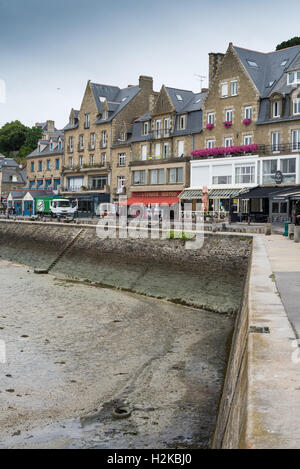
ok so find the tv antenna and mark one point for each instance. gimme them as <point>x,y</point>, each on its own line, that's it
<point>201,78</point>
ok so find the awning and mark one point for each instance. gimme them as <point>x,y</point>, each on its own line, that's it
<point>225,193</point>
<point>191,194</point>
<point>148,200</point>
<point>264,192</point>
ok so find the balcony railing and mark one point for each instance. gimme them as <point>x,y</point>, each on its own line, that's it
<point>80,147</point>
<point>70,149</point>
<point>120,190</point>
<point>279,148</point>
<point>103,144</point>
<point>154,159</point>
<point>91,146</point>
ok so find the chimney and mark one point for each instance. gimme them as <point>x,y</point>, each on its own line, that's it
<point>50,126</point>
<point>215,60</point>
<point>146,83</point>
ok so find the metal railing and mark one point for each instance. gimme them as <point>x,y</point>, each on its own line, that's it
<point>170,156</point>
<point>279,148</point>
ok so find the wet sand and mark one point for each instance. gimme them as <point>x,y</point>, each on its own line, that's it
<point>75,351</point>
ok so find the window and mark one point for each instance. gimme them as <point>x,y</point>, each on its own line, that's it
<point>57,163</point>
<point>51,146</point>
<point>31,184</point>
<point>179,97</point>
<point>122,159</point>
<point>180,148</point>
<point>48,165</point>
<point>276,109</point>
<point>104,138</point>
<point>144,152</point>
<point>234,88</point>
<point>98,183</point>
<point>166,150</point>
<point>103,159</point>
<point>252,63</point>
<point>182,122</point>
<point>87,121</point>
<point>156,176</point>
<point>288,169</point>
<point>158,129</point>
<point>32,166</point>
<point>59,146</point>
<point>175,175</point>
<point>71,143</point>
<point>248,112</point>
<point>139,177</point>
<point>245,174</point>
<point>56,183</point>
<point>269,171</point>
<point>222,180</point>
<point>122,136</point>
<point>211,118</point>
<point>81,142</point>
<point>283,63</point>
<point>91,159</point>
<point>92,141</point>
<point>296,106</point>
<point>157,150</point>
<point>48,183</point>
<point>222,174</point>
<point>105,115</point>
<point>210,144</point>
<point>293,78</point>
<point>81,161</point>
<point>166,127</point>
<point>121,182</point>
<point>70,162</point>
<point>75,183</point>
<point>224,90</point>
<point>275,141</point>
<point>247,139</point>
<point>228,142</point>
<point>296,139</point>
<point>40,183</point>
<point>146,128</point>
<point>40,166</point>
<point>228,115</point>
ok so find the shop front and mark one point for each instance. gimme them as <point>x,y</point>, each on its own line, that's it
<point>89,204</point>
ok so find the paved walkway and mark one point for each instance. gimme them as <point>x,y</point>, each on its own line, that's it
<point>284,256</point>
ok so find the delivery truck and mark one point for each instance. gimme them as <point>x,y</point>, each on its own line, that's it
<point>55,207</point>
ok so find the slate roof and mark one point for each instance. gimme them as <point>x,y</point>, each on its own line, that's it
<point>46,151</point>
<point>7,173</point>
<point>271,68</point>
<point>8,162</point>
<point>116,97</point>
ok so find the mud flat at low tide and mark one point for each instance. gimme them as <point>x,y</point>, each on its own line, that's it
<point>76,352</point>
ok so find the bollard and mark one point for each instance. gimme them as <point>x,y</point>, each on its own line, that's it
<point>297,234</point>
<point>268,229</point>
<point>291,231</point>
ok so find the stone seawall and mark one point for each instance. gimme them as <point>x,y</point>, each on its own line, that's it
<point>260,407</point>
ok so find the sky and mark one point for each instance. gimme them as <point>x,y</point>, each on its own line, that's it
<point>50,49</point>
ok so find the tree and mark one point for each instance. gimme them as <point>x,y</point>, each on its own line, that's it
<point>18,139</point>
<point>294,41</point>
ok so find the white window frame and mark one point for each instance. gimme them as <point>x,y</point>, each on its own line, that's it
<point>276,106</point>
<point>92,141</point>
<point>158,129</point>
<point>248,112</point>
<point>229,115</point>
<point>232,83</point>
<point>248,139</point>
<point>166,154</point>
<point>211,118</point>
<point>182,122</point>
<point>227,139</point>
<point>275,142</point>
<point>146,128</point>
<point>210,143</point>
<point>224,89</point>
<point>143,152</point>
<point>296,106</point>
<point>296,140</point>
<point>122,159</point>
<point>167,127</point>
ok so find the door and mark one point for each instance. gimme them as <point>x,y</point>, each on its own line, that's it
<point>18,207</point>
<point>28,208</point>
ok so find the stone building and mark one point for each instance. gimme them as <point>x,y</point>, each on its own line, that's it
<point>48,129</point>
<point>44,164</point>
<point>103,120</point>
<point>12,176</point>
<point>160,146</point>
<point>252,107</point>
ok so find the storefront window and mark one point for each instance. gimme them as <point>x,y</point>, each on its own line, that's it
<point>269,171</point>
<point>288,169</point>
<point>245,174</point>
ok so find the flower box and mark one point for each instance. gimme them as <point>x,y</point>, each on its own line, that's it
<point>210,126</point>
<point>233,150</point>
<point>227,124</point>
<point>247,121</point>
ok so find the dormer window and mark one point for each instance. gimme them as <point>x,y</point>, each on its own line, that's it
<point>122,136</point>
<point>296,106</point>
<point>104,115</point>
<point>146,128</point>
<point>179,97</point>
<point>276,109</point>
<point>252,63</point>
<point>51,146</point>
<point>284,63</point>
<point>293,78</point>
<point>102,99</point>
<point>182,122</point>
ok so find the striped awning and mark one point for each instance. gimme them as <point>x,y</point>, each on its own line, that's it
<point>191,194</point>
<point>225,193</point>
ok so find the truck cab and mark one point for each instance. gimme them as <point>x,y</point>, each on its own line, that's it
<point>62,207</point>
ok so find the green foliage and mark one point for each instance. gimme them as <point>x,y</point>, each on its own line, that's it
<point>180,235</point>
<point>294,41</point>
<point>18,139</point>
